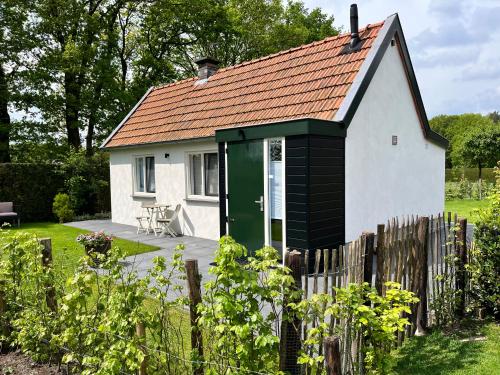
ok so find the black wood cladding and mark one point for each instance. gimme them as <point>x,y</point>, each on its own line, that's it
<point>315,191</point>
<point>222,188</point>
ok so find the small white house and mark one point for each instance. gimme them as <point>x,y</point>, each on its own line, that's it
<point>306,148</point>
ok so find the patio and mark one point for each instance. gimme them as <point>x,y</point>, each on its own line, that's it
<point>195,248</point>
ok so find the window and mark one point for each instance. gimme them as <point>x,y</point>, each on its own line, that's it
<point>144,174</point>
<point>203,174</point>
<point>276,181</point>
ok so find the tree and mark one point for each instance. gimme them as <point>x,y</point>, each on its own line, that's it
<point>77,50</point>
<point>235,31</point>
<point>95,58</point>
<point>15,42</point>
<point>494,116</point>
<point>456,128</point>
<point>481,148</point>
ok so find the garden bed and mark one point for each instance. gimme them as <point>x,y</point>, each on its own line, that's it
<point>17,364</point>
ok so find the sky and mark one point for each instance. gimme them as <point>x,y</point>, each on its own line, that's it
<point>454,47</point>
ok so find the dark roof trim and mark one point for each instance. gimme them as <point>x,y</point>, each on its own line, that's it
<point>391,29</point>
<point>103,145</point>
<point>282,129</point>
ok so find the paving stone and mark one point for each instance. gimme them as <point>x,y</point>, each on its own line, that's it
<point>195,247</point>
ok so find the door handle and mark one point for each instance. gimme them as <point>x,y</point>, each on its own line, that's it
<point>261,203</point>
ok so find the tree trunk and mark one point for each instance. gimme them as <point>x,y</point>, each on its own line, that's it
<point>101,80</point>
<point>89,150</point>
<point>72,109</point>
<point>4,118</point>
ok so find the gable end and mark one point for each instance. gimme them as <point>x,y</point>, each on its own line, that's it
<point>390,30</point>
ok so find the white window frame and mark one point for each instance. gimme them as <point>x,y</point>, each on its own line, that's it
<point>144,193</point>
<point>200,197</point>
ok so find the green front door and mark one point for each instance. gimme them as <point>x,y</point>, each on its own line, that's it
<point>245,168</point>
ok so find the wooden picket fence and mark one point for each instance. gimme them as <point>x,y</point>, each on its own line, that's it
<point>425,255</point>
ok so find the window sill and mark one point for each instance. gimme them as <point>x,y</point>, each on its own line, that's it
<point>200,198</point>
<point>144,195</point>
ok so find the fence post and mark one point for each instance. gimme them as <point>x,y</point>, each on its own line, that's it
<point>290,324</point>
<point>50,291</point>
<point>4,324</point>
<point>462,261</point>
<point>332,355</point>
<point>368,255</point>
<point>379,277</point>
<point>422,271</point>
<point>194,288</point>
<point>140,331</point>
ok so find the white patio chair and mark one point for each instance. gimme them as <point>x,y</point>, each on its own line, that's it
<point>166,222</point>
<point>143,220</point>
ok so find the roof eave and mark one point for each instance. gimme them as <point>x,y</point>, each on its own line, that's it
<point>148,144</point>
<point>103,145</point>
<point>284,128</point>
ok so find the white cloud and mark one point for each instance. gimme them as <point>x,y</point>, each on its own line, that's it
<point>454,46</point>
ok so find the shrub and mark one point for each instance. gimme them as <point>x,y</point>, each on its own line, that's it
<point>377,318</point>
<point>98,316</point>
<point>465,189</point>
<point>62,208</point>
<point>24,281</point>
<point>242,332</point>
<point>87,182</point>
<point>485,261</point>
<point>94,326</point>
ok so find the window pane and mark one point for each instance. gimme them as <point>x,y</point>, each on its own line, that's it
<point>211,174</point>
<point>196,180</point>
<point>275,151</point>
<point>139,174</point>
<point>275,192</point>
<point>150,174</point>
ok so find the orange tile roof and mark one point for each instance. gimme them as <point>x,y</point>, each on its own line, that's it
<point>308,81</point>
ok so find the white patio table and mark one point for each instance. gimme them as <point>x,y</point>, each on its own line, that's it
<point>155,211</point>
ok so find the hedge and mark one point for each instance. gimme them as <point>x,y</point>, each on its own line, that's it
<point>31,187</point>
<point>470,174</point>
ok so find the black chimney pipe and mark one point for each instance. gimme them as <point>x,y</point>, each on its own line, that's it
<point>354,25</point>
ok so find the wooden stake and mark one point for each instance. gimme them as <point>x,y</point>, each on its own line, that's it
<point>462,261</point>
<point>291,327</point>
<point>306,286</point>
<point>368,256</point>
<point>335,269</point>
<point>380,277</point>
<point>194,289</point>
<point>50,291</point>
<point>326,269</point>
<point>332,355</point>
<point>4,325</point>
<point>423,232</point>
<point>140,331</point>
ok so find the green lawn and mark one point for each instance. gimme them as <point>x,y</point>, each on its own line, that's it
<point>66,251</point>
<point>465,208</point>
<point>455,353</point>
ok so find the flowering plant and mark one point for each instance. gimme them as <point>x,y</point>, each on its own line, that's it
<point>94,240</point>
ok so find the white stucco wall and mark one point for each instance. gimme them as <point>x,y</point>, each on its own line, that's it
<point>197,218</point>
<point>382,180</point>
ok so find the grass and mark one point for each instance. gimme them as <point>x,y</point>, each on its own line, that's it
<point>66,251</point>
<point>465,208</point>
<point>453,353</point>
